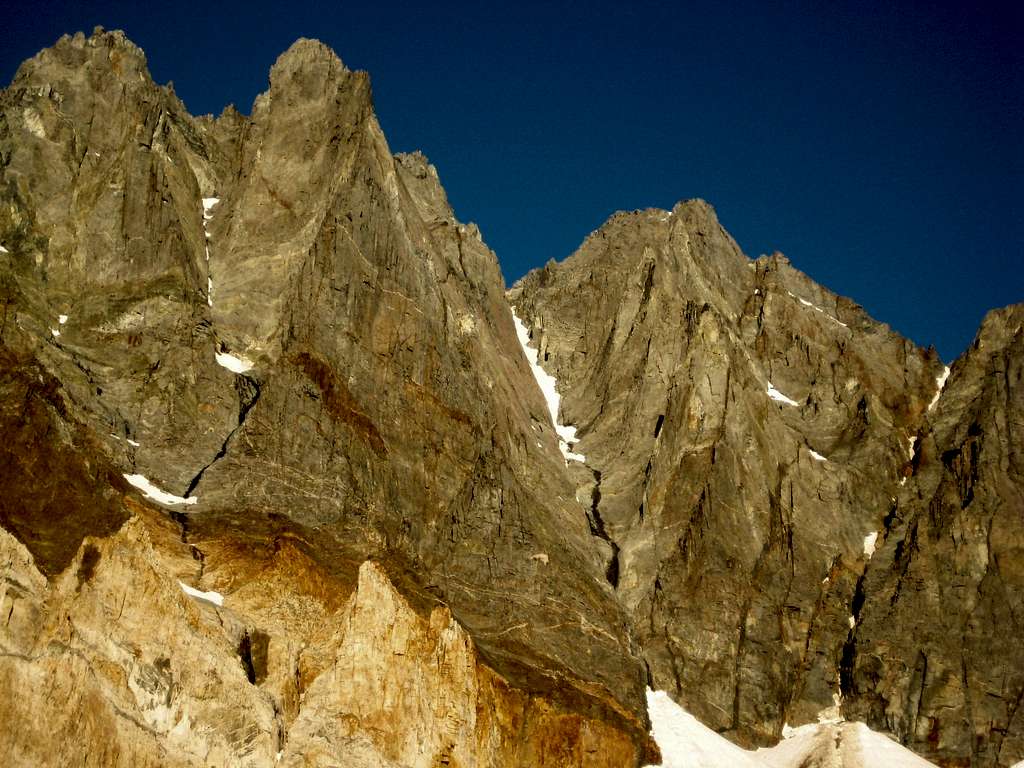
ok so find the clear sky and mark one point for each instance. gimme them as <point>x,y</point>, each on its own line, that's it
<point>878,145</point>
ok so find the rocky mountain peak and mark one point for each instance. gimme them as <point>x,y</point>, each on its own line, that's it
<point>285,482</point>
<point>103,54</point>
<point>308,70</point>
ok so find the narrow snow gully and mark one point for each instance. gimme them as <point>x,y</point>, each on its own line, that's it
<point>566,439</point>
<point>208,203</point>
<point>548,388</point>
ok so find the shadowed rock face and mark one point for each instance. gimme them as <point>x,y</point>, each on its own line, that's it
<point>938,657</point>
<point>281,323</point>
<point>768,467</point>
<point>379,405</point>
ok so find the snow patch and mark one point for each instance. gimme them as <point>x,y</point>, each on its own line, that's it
<point>62,319</point>
<point>816,456</point>
<point>852,622</point>
<point>869,543</point>
<point>233,363</point>
<point>208,203</point>
<point>150,491</point>
<point>874,748</point>
<point>133,443</point>
<point>3,250</point>
<point>211,597</point>
<point>687,743</point>
<point>55,332</point>
<point>547,384</point>
<point>774,394</point>
<point>940,382</point>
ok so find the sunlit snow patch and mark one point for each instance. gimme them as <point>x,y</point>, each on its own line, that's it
<point>62,319</point>
<point>211,597</point>
<point>3,250</point>
<point>233,363</point>
<point>774,394</point>
<point>869,543</point>
<point>686,743</point>
<point>851,745</point>
<point>940,381</point>
<point>546,382</point>
<point>55,332</point>
<point>815,455</point>
<point>150,491</point>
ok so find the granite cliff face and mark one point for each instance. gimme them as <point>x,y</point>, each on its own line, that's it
<point>282,327</point>
<point>802,515</point>
<point>279,486</point>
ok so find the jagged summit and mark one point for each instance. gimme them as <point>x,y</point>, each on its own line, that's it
<point>307,61</point>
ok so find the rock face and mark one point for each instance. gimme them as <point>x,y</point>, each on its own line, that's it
<point>938,657</point>
<point>281,326</point>
<point>798,521</point>
<point>259,358</point>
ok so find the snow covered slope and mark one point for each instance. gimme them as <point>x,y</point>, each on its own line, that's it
<point>686,743</point>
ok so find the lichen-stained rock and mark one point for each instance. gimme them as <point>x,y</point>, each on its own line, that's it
<point>284,329</point>
<point>937,657</point>
<point>746,431</point>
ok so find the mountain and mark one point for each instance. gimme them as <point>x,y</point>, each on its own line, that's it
<point>281,488</point>
<point>802,512</point>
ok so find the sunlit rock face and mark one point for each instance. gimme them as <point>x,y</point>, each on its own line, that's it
<point>800,508</point>
<point>278,340</point>
<point>286,482</point>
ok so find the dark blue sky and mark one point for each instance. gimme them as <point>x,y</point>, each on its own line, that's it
<point>878,145</point>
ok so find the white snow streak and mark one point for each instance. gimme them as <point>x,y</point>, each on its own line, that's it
<point>150,491</point>
<point>774,394</point>
<point>62,319</point>
<point>211,597</point>
<point>208,203</point>
<point>55,332</point>
<point>816,456</point>
<point>940,381</point>
<point>133,443</point>
<point>3,250</point>
<point>816,308</point>
<point>869,543</point>
<point>547,384</point>
<point>232,363</point>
